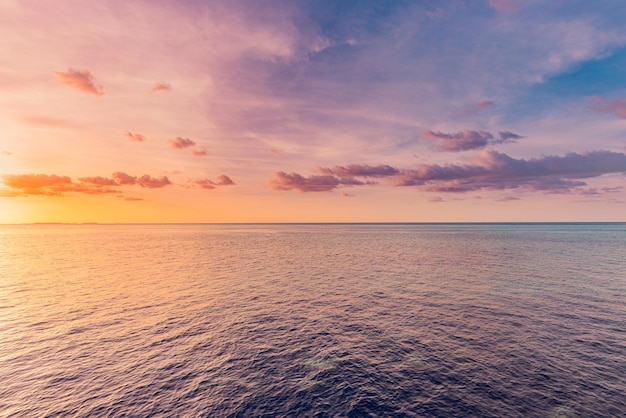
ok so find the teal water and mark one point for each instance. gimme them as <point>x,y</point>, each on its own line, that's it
<point>516,320</point>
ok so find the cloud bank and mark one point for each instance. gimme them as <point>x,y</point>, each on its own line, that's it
<point>490,171</point>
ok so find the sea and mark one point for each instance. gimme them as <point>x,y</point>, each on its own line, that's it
<point>313,320</point>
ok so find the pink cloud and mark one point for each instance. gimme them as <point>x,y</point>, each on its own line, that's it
<point>181,143</point>
<point>135,137</point>
<point>160,86</point>
<point>80,80</point>
<point>222,180</point>
<point>199,152</point>
<point>614,106</point>
<point>153,182</point>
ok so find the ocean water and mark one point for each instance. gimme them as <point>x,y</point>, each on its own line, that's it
<point>451,320</point>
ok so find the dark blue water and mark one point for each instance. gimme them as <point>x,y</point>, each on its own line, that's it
<point>442,320</point>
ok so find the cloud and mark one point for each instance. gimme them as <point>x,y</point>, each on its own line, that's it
<point>160,86</point>
<point>81,80</point>
<point>123,178</point>
<point>295,181</point>
<point>468,140</point>
<point>153,182</point>
<point>494,170</point>
<point>54,185</point>
<point>49,185</point>
<point>359,170</point>
<point>491,170</point>
<point>199,152</point>
<point>613,106</point>
<point>181,143</point>
<point>222,180</point>
<point>508,136</point>
<point>135,137</point>
<point>99,181</point>
<point>507,199</point>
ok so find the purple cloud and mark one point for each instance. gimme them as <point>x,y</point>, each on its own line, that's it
<point>468,140</point>
<point>491,171</point>
<point>499,171</point>
<point>359,170</point>
<point>460,141</point>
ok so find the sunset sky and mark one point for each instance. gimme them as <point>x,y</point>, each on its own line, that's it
<point>312,111</point>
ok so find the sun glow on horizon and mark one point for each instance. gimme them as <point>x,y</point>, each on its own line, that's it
<point>253,112</point>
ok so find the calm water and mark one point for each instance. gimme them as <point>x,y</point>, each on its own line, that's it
<point>313,320</point>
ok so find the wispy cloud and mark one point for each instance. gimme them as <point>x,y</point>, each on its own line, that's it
<point>468,140</point>
<point>135,137</point>
<point>80,80</point>
<point>160,86</point>
<point>474,109</point>
<point>613,106</point>
<point>199,152</point>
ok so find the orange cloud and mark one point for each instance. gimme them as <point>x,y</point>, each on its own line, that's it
<point>160,86</point>
<point>135,137</point>
<point>80,80</point>
<point>52,185</point>
<point>199,152</point>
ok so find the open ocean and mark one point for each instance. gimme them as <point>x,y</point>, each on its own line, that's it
<point>324,320</point>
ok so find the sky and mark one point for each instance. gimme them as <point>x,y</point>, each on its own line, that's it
<point>312,111</point>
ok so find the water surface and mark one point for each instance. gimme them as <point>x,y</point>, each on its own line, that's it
<point>450,320</point>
